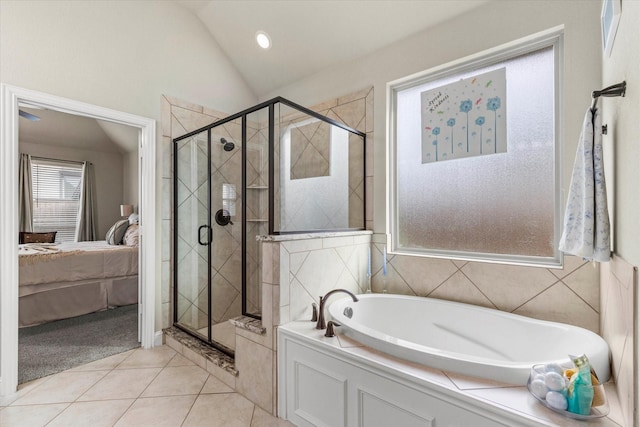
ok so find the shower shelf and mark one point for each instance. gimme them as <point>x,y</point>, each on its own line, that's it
<point>257,220</point>
<point>258,187</point>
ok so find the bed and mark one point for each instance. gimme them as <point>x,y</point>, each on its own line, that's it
<point>57,281</point>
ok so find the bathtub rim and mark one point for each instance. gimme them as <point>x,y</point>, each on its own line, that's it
<point>492,369</point>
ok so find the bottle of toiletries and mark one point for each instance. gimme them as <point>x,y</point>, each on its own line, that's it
<point>581,387</point>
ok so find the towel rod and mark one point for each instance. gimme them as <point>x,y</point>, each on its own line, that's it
<point>618,89</point>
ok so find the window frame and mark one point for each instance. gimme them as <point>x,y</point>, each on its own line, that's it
<point>549,38</point>
<point>63,167</point>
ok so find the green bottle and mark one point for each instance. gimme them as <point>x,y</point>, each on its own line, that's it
<point>581,388</point>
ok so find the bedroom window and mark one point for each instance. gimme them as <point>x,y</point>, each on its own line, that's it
<point>56,195</point>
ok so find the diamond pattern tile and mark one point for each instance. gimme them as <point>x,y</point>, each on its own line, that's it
<point>508,286</point>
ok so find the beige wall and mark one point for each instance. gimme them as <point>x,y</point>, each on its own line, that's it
<point>622,157</point>
<point>108,175</point>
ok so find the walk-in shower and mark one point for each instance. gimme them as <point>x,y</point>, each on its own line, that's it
<point>272,169</point>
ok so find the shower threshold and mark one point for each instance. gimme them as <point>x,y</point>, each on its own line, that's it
<point>207,357</point>
<point>223,333</point>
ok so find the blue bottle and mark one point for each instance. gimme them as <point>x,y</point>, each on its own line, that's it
<point>581,388</point>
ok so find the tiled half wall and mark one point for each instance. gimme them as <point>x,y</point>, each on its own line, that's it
<point>619,281</point>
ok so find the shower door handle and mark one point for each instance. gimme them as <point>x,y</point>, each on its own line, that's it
<point>209,235</point>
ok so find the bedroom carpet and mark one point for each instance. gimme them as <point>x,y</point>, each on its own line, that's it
<point>57,346</point>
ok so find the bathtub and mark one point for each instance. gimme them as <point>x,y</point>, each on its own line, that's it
<point>465,339</point>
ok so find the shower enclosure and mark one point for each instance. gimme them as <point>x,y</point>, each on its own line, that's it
<point>275,168</point>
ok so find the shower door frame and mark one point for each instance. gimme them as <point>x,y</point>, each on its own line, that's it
<point>270,105</point>
<point>209,244</point>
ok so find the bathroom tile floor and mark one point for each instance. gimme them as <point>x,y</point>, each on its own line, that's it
<point>156,387</point>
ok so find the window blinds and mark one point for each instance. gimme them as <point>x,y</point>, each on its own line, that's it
<point>56,196</point>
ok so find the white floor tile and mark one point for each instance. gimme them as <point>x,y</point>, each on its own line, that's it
<point>32,415</point>
<point>157,411</point>
<point>138,388</point>
<point>220,410</point>
<point>178,380</point>
<point>214,385</point>
<point>63,387</point>
<point>157,357</point>
<point>95,414</point>
<point>121,384</point>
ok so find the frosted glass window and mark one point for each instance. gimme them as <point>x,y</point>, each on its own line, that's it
<point>500,206</point>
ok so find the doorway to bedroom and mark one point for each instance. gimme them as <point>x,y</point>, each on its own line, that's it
<point>15,99</point>
<point>78,253</point>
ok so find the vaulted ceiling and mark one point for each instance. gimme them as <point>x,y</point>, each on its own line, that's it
<point>312,35</point>
<point>307,36</point>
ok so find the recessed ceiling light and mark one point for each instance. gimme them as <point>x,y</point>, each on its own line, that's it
<point>263,39</point>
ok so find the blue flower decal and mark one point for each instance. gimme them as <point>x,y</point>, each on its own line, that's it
<point>493,103</point>
<point>436,131</point>
<point>451,123</point>
<point>466,106</point>
<point>480,122</point>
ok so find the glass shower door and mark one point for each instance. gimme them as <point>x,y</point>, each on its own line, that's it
<point>208,233</point>
<point>193,234</point>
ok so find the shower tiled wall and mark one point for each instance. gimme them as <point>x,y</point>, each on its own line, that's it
<point>178,118</point>
<point>319,150</point>
<point>356,110</point>
<point>619,281</point>
<point>568,295</point>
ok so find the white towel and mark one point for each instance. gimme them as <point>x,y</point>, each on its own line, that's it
<point>586,220</point>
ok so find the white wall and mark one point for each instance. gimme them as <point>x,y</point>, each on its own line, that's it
<point>116,54</point>
<point>492,25</point>
<point>108,175</point>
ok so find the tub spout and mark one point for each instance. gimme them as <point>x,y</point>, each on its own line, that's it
<point>321,324</point>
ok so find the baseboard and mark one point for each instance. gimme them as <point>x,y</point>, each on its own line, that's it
<point>157,339</point>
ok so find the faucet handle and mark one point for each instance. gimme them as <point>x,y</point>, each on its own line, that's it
<point>330,332</point>
<point>314,314</point>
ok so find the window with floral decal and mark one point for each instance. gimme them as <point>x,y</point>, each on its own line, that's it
<point>473,149</point>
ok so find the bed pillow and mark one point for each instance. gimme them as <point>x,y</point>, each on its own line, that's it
<point>133,218</point>
<point>131,236</point>
<point>116,232</point>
